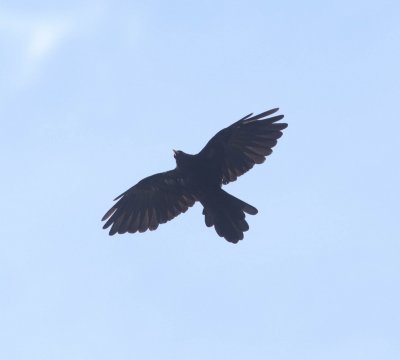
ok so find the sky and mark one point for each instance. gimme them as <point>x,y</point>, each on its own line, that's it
<point>95,95</point>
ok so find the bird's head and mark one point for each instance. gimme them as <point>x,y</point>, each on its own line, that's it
<point>180,158</point>
<point>177,154</point>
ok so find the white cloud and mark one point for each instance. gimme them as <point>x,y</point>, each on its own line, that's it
<point>38,36</point>
<point>31,39</point>
<point>44,39</point>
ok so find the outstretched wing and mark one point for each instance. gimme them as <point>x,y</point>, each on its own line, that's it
<point>235,149</point>
<point>152,201</point>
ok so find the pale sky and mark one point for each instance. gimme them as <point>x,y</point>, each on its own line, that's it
<point>95,95</point>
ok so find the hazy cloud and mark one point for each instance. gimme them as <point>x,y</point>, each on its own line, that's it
<point>44,39</point>
<point>32,38</point>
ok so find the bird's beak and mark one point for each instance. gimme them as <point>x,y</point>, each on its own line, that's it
<point>174,152</point>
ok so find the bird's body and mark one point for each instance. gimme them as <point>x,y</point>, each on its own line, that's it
<point>230,153</point>
<point>202,175</point>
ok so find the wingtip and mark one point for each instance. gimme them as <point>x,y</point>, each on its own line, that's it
<point>108,214</point>
<point>251,210</point>
<point>263,116</point>
<point>112,232</point>
<point>245,117</point>
<point>276,118</point>
<point>269,112</point>
<point>104,218</point>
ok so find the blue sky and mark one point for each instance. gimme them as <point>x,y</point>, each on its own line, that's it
<point>93,97</point>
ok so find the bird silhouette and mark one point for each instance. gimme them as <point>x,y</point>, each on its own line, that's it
<point>230,153</point>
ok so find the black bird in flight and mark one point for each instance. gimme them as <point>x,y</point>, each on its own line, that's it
<point>230,153</point>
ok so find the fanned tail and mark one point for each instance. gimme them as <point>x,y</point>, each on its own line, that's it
<point>227,214</point>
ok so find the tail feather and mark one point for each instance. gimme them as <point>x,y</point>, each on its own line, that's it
<point>227,214</point>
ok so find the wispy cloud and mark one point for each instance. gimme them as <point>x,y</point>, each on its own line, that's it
<point>44,39</point>
<point>31,38</point>
<point>39,36</point>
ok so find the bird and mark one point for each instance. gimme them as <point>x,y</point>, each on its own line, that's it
<point>229,154</point>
